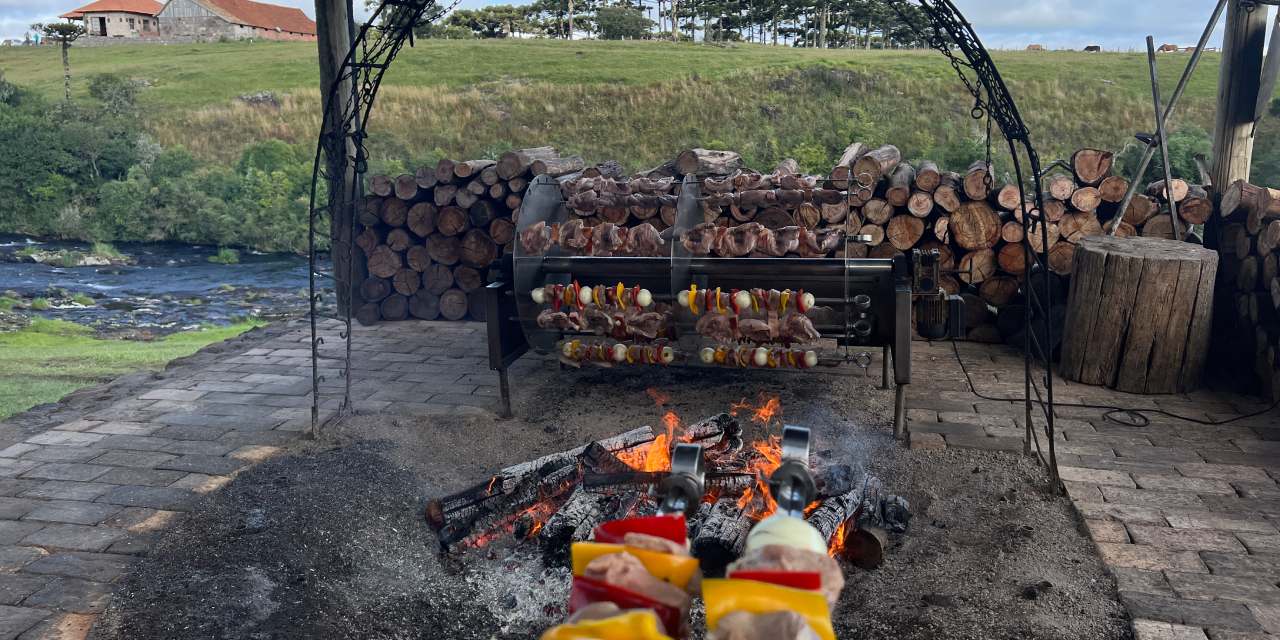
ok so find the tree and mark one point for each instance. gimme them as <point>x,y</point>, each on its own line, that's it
<point>619,23</point>
<point>65,33</point>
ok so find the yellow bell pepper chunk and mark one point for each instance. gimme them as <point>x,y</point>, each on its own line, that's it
<point>693,299</point>
<point>619,289</point>
<point>677,570</point>
<point>786,293</point>
<point>632,625</point>
<point>724,596</point>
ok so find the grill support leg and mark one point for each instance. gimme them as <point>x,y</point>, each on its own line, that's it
<point>504,387</point>
<point>900,412</point>
<point>884,368</point>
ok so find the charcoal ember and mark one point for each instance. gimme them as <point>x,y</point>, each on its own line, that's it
<point>833,479</point>
<point>895,513</point>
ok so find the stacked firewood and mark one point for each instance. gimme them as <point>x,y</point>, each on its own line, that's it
<point>1249,278</point>
<point>429,238</point>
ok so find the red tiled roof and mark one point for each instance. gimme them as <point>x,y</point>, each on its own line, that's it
<point>263,15</point>
<point>140,7</point>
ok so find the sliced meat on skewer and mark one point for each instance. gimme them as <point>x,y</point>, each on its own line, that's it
<point>715,326</point>
<point>552,319</point>
<point>647,324</point>
<point>608,238</point>
<point>644,240</point>
<point>797,327</point>
<point>755,330</point>
<point>699,240</point>
<point>574,235</point>
<point>740,240</point>
<point>536,239</point>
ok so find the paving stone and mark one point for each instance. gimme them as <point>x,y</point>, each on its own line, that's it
<point>1267,616</point>
<point>927,441</point>
<point>1202,586</point>
<point>1127,465</point>
<point>1246,506</point>
<point>145,477</point>
<point>1095,476</point>
<point>208,421</point>
<point>1082,491</point>
<point>192,433</point>
<point>1162,482</point>
<point>1149,498</point>
<point>984,442</point>
<point>16,450</point>
<point>172,394</point>
<point>1155,630</point>
<point>1141,581</point>
<point>120,428</point>
<point>13,558</point>
<point>12,531</point>
<point>67,490</point>
<point>75,471</point>
<point>144,519</point>
<point>154,497</point>
<point>198,447</point>
<point>212,465</point>
<point>72,511</point>
<point>16,486</point>
<point>1221,614</point>
<point>74,537</point>
<point>1190,539</point>
<point>1211,520</point>
<point>71,595</point>
<point>947,428</point>
<point>78,425</point>
<point>15,620</point>
<point>1261,490</point>
<point>1149,558</point>
<point>200,482</point>
<point>10,467</point>
<point>100,567</point>
<point>1265,566</point>
<point>1086,448</point>
<point>142,459</point>
<point>1168,455</point>
<point>1227,472</point>
<point>16,586</point>
<point>67,438</point>
<point>14,508</point>
<point>1260,542</point>
<point>1238,458</point>
<point>57,453</point>
<point>1107,531</point>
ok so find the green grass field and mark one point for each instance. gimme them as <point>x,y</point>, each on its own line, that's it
<point>50,359</point>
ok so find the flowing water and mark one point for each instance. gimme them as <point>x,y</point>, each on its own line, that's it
<point>170,287</point>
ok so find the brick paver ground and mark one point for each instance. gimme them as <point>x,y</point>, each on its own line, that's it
<point>1185,516</point>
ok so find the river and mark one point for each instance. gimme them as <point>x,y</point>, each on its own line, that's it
<point>170,287</point>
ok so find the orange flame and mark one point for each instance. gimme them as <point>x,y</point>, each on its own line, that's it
<point>659,398</point>
<point>837,541</point>
<point>770,409</point>
<point>756,501</point>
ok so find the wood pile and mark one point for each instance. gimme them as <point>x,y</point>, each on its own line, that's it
<point>1249,279</point>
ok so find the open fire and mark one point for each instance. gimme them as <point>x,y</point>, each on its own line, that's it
<point>558,499</point>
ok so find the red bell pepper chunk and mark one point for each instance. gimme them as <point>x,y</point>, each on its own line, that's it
<point>810,580</point>
<point>672,528</point>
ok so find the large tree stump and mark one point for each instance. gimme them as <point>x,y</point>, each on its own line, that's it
<point>1139,314</point>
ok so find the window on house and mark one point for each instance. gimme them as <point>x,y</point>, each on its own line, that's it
<point>131,24</point>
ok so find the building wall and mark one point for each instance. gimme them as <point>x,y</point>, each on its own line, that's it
<point>188,18</point>
<point>121,25</point>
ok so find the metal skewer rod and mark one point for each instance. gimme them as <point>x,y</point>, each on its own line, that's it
<point>1164,141</point>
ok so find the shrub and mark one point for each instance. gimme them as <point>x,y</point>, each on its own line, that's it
<point>82,300</point>
<point>225,256</point>
<point>119,95</point>
<point>40,304</point>
<point>1184,145</point>
<point>7,303</point>
<point>105,250</point>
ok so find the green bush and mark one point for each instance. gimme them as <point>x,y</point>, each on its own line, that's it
<point>225,256</point>
<point>7,303</point>
<point>40,304</point>
<point>82,300</point>
<point>105,250</point>
<point>1184,145</point>
<point>119,95</point>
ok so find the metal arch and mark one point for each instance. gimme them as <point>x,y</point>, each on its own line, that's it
<point>340,151</point>
<point>949,32</point>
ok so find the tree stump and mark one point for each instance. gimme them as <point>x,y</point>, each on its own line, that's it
<point>1139,314</point>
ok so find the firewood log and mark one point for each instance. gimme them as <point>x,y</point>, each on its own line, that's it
<point>473,169</point>
<point>517,184</point>
<point>975,225</point>
<point>1011,231</point>
<point>1179,192</point>
<point>368,314</point>
<point>437,279</point>
<point>904,231</point>
<point>947,195</point>
<point>807,215</point>
<point>877,211</point>
<point>1269,238</point>
<point>464,199</point>
<point>406,186</point>
<point>900,182</point>
<point>424,305</point>
<point>1038,232</point>
<point>425,177</point>
<point>884,251</point>
<point>502,230</point>
<point>557,166</point>
<point>1009,197</point>
<point>707,161</point>
<point>418,258</point>
<point>842,173</point>
<point>1053,210</point>
<point>1195,207</point>
<point>467,279</point>
<point>920,204</point>
<point>482,213</point>
<point>1141,208</point>
<point>399,240</point>
<point>394,307</point>
<point>835,213</point>
<point>406,282</point>
<point>1126,229</point>
<point>1060,186</point>
<point>942,228</point>
<point>477,188</point>
<point>394,212</point>
<point>874,232</point>
<point>1233,239</point>
<point>1247,276</point>
<point>513,202</point>
<point>497,191</point>
<point>380,185</point>
<point>368,239</point>
<point>1159,226</point>
<point>384,262</point>
<point>1060,258</point>
<point>371,213</point>
<point>489,175</point>
<point>1091,165</point>
<point>775,218</point>
<point>453,304</point>
<point>876,164</point>
<point>1077,225</point>
<point>928,177</point>
<point>977,180</point>
<point>478,249</point>
<point>451,221</point>
<point>571,523</point>
<point>721,536</point>
<point>443,194</point>
<point>374,289</point>
<point>444,249</point>
<point>1086,199</point>
<point>421,219</point>
<point>607,169</point>
<point>976,266</point>
<point>444,171</point>
<point>1113,188</point>
<point>997,290</point>
<point>1012,258</point>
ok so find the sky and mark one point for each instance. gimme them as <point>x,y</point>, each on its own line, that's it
<point>1002,24</point>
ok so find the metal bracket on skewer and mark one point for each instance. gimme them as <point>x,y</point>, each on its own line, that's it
<point>682,490</point>
<point>792,484</point>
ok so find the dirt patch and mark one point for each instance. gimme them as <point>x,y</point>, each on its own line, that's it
<point>329,541</point>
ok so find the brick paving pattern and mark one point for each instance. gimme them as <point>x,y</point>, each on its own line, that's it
<point>1185,516</point>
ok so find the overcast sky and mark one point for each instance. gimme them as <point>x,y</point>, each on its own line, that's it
<point>1000,23</point>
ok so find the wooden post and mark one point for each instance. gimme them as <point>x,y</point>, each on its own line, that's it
<point>335,31</point>
<point>1238,82</point>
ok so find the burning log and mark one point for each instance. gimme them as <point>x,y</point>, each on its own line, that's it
<point>835,511</point>
<point>721,536</point>
<point>571,523</point>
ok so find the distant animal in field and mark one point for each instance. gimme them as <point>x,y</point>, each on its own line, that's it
<point>1167,48</point>
<point>1035,47</point>
<point>1093,48</point>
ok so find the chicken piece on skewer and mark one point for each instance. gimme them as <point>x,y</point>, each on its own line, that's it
<point>559,320</point>
<point>608,237</point>
<point>715,326</point>
<point>798,328</point>
<point>740,240</point>
<point>755,330</point>
<point>536,239</point>
<point>625,571</point>
<point>699,240</point>
<point>574,235</point>
<point>644,240</point>
<point>816,244</point>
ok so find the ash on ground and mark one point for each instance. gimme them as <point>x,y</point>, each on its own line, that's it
<point>339,546</point>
